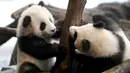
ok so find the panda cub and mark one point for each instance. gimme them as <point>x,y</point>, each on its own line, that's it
<point>36,53</point>
<point>100,45</point>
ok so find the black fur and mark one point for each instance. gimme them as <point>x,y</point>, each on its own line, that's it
<point>99,24</point>
<point>42,49</point>
<point>88,64</point>
<point>41,3</point>
<point>42,26</point>
<point>30,5</point>
<point>75,36</point>
<point>118,58</point>
<point>26,21</point>
<point>28,67</point>
<point>86,45</point>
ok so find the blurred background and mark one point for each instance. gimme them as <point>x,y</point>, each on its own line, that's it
<point>9,6</point>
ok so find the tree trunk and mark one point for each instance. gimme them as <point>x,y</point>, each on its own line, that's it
<point>73,17</point>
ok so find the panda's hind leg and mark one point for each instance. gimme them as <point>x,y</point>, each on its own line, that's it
<point>28,67</point>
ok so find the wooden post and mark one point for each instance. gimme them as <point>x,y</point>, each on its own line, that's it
<point>73,17</point>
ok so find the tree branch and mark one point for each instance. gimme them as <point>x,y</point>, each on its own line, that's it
<point>73,17</point>
<point>8,31</point>
<point>5,38</point>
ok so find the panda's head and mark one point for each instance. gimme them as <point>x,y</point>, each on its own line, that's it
<point>98,41</point>
<point>36,20</point>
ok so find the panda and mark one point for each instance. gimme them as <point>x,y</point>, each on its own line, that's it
<point>100,45</point>
<point>36,51</point>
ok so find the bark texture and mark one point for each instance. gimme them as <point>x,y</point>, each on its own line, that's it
<point>73,17</point>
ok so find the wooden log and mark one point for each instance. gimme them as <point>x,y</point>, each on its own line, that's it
<point>121,68</point>
<point>73,17</point>
<point>8,31</point>
<point>5,38</point>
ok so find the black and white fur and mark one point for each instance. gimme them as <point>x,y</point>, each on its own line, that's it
<point>102,43</point>
<point>36,53</point>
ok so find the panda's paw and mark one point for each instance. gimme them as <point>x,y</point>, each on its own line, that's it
<point>62,49</point>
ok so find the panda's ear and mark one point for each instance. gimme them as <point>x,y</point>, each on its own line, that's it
<point>99,24</point>
<point>41,3</point>
<point>97,18</point>
<point>26,21</point>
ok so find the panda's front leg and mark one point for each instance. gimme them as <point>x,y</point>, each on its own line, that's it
<point>28,67</point>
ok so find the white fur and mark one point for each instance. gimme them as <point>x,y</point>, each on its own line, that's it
<point>55,41</point>
<point>103,42</point>
<point>38,14</point>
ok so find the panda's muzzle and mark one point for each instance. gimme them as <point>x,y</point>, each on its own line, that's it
<point>54,30</point>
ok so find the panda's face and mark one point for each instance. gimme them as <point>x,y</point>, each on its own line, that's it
<point>99,42</point>
<point>36,20</point>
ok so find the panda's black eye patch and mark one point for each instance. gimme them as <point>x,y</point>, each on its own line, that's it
<point>75,36</point>
<point>42,26</point>
<point>26,21</point>
<point>50,20</point>
<point>86,45</point>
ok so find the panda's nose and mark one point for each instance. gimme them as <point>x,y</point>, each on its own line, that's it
<point>53,30</point>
